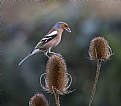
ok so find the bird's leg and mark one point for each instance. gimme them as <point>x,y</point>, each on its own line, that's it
<point>45,53</point>
<point>49,51</point>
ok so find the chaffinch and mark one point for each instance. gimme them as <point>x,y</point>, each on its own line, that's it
<point>50,40</point>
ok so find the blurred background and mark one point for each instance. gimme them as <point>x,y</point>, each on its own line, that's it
<point>25,23</point>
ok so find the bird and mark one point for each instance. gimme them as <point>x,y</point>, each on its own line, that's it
<point>50,40</point>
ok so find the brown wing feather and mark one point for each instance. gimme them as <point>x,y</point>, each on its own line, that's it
<point>46,39</point>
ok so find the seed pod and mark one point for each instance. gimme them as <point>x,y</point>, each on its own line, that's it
<point>56,77</point>
<point>38,100</point>
<point>99,49</point>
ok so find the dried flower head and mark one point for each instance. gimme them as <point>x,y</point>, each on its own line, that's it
<point>38,100</point>
<point>99,49</point>
<point>56,76</point>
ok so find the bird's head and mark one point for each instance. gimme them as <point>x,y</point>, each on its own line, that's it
<point>63,26</point>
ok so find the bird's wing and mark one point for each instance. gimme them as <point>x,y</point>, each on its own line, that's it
<point>46,39</point>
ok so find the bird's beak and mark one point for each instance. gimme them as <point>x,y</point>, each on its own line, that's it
<point>68,29</point>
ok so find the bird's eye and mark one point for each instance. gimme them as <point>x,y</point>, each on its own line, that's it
<point>66,26</point>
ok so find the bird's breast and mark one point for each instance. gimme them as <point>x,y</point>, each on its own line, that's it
<point>56,41</point>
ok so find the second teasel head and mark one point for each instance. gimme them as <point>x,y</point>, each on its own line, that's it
<point>56,76</point>
<point>38,100</point>
<point>99,49</point>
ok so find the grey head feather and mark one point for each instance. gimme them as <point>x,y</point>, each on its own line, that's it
<point>57,25</point>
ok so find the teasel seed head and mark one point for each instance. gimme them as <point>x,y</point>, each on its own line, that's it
<point>99,49</point>
<point>38,100</point>
<point>56,76</point>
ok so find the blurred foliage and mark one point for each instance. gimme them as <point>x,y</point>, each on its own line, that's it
<point>25,23</point>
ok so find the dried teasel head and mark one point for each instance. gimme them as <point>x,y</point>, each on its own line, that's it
<point>56,76</point>
<point>99,49</point>
<point>38,100</point>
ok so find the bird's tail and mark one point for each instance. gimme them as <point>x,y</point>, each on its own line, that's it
<point>32,53</point>
<point>24,59</point>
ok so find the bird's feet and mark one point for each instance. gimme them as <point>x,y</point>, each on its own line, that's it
<point>52,53</point>
<point>46,54</point>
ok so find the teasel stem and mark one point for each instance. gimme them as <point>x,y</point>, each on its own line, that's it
<point>95,83</point>
<point>56,96</point>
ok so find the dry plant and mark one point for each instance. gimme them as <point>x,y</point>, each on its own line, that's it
<point>38,100</point>
<point>99,51</point>
<point>56,79</point>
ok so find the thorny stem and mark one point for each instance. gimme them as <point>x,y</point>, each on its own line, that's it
<point>95,83</point>
<point>56,95</point>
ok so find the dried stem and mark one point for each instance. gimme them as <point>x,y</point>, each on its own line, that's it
<point>56,96</point>
<point>96,81</point>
